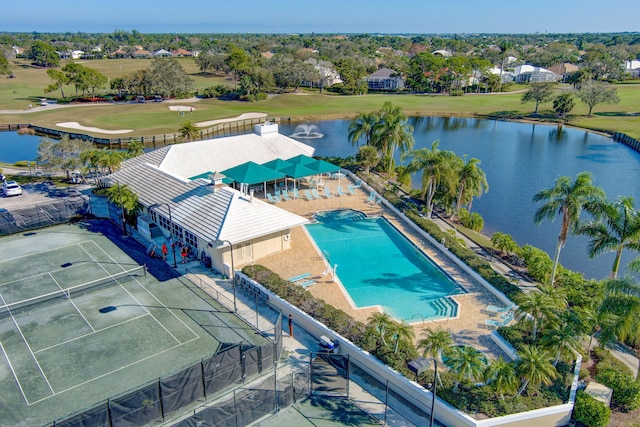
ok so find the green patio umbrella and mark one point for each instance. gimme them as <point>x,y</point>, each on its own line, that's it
<point>251,173</point>
<point>277,164</point>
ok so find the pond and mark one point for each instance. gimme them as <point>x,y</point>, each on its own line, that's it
<point>519,160</point>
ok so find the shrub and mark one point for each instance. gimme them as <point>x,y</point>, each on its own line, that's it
<point>472,221</point>
<point>590,411</point>
<point>626,390</point>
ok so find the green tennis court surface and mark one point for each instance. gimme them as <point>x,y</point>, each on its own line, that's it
<point>81,322</point>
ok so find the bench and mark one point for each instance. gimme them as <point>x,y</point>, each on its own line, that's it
<point>299,277</point>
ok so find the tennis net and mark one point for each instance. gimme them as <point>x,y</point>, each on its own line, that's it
<point>67,293</point>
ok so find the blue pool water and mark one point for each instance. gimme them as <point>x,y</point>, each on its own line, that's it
<point>377,265</point>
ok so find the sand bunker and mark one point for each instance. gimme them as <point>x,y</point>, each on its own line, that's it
<point>78,126</point>
<point>232,119</point>
<point>181,108</point>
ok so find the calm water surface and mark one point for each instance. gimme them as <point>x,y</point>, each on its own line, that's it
<point>519,160</point>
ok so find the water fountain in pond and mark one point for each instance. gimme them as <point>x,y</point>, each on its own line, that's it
<point>307,131</point>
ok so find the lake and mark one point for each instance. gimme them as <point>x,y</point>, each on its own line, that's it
<point>519,160</point>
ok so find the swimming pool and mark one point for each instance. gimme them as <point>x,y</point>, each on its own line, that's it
<point>377,265</point>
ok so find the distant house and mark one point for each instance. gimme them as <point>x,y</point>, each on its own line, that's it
<point>77,54</point>
<point>563,69</point>
<point>530,74</point>
<point>120,53</point>
<point>385,79</point>
<point>266,55</point>
<point>162,53</point>
<point>141,54</point>
<point>442,52</point>
<point>633,68</point>
<point>17,50</point>
<point>182,53</point>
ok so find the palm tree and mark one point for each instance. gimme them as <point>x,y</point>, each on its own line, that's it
<point>435,342</point>
<point>362,127</point>
<point>402,332</point>
<point>622,307</point>
<point>472,181</point>
<point>437,169</point>
<point>502,375</point>
<point>382,322</point>
<point>541,306</point>
<point>466,362</point>
<point>562,341</point>
<point>390,132</point>
<point>616,226</point>
<point>534,367</point>
<point>368,157</point>
<point>135,148</point>
<point>568,200</point>
<point>188,131</point>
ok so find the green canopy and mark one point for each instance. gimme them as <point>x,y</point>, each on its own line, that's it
<point>207,175</point>
<point>277,164</point>
<point>321,166</point>
<point>296,171</point>
<point>252,173</point>
<point>301,160</point>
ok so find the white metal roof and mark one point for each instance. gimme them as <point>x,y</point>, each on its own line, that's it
<point>218,154</point>
<point>207,212</point>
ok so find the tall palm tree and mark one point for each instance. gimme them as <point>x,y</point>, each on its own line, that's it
<point>438,171</point>
<point>534,367</point>
<point>435,342</point>
<point>616,227</point>
<point>382,322</point>
<point>361,127</point>
<point>188,131</point>
<point>568,200</point>
<point>502,375</point>
<point>110,160</point>
<point>472,182</point>
<point>561,341</point>
<point>622,306</point>
<point>538,307</point>
<point>402,332</point>
<point>135,148</point>
<point>466,363</point>
<point>390,132</point>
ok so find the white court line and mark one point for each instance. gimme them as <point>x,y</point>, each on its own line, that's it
<point>31,254</point>
<point>154,297</point>
<point>68,295</point>
<point>90,333</point>
<point>29,348</point>
<point>134,298</point>
<point>113,371</point>
<point>15,376</point>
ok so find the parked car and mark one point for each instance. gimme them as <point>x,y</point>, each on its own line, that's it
<point>11,188</point>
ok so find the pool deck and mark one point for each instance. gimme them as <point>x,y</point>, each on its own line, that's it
<point>303,257</point>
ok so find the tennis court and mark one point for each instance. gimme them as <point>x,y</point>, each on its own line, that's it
<point>81,321</point>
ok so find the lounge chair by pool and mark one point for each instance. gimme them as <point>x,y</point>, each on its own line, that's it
<point>296,193</point>
<point>372,196</point>
<point>308,195</point>
<point>496,309</point>
<point>327,193</point>
<point>314,192</point>
<point>498,323</point>
<point>339,191</point>
<point>352,189</point>
<point>285,194</point>
<point>273,199</point>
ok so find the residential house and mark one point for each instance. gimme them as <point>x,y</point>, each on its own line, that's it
<point>120,53</point>
<point>385,79</point>
<point>530,74</point>
<point>442,52</point>
<point>633,68</point>
<point>142,54</point>
<point>182,53</point>
<point>162,53</point>
<point>17,50</point>
<point>564,69</point>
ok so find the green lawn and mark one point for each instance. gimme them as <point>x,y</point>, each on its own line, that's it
<point>155,118</point>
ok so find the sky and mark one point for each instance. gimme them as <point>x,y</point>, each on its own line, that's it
<point>321,16</point>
